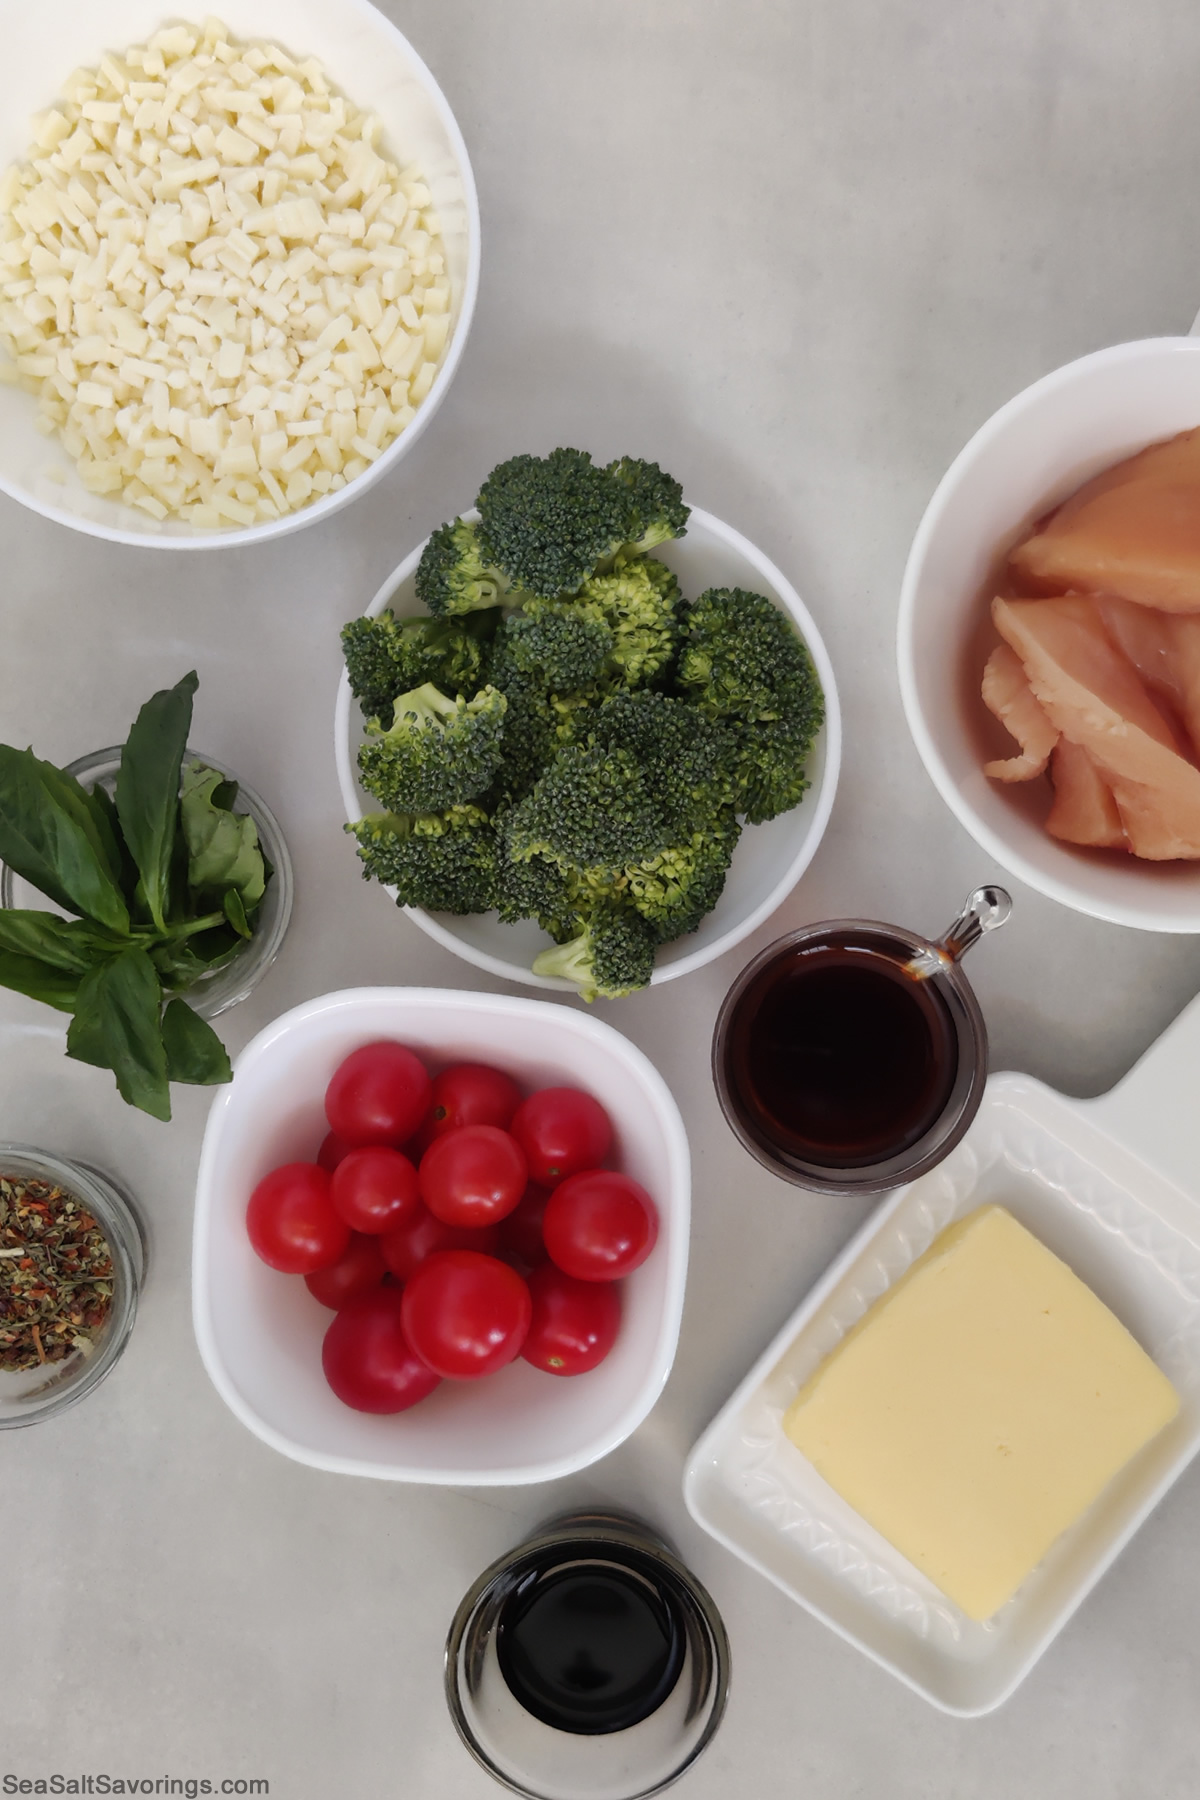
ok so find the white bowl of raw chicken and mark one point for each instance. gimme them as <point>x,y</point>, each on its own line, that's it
<point>1027,459</point>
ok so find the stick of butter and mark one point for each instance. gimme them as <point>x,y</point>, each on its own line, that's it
<point>979,1408</point>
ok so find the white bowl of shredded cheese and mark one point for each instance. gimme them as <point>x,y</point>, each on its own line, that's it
<point>238,263</point>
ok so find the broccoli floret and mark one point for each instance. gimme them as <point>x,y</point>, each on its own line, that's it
<point>612,956</point>
<point>686,755</point>
<point>537,889</point>
<point>770,766</point>
<point>538,722</point>
<point>437,752</point>
<point>566,647</point>
<point>386,656</point>
<point>637,603</point>
<point>676,892</point>
<point>641,811</point>
<point>658,508</point>
<point>445,862</point>
<point>740,658</point>
<point>741,662</point>
<point>458,573</point>
<point>550,520</point>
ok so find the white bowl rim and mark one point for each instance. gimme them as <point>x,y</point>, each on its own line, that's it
<point>328,503</point>
<point>822,798</point>
<point>666,1111</point>
<point>1062,889</point>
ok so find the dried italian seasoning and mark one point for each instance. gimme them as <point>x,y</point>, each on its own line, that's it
<point>56,1273</point>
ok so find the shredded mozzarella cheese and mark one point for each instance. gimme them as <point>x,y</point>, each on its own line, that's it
<point>227,299</point>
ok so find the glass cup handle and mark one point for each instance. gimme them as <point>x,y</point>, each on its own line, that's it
<point>985,910</point>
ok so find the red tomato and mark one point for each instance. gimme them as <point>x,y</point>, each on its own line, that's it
<point>375,1189</point>
<point>465,1314</point>
<point>379,1095</point>
<point>472,1094</point>
<point>332,1151</point>
<point>561,1130</point>
<point>599,1225</point>
<point>360,1269</point>
<point>368,1360</point>
<point>521,1231</point>
<point>292,1221</point>
<point>406,1248</point>
<point>472,1176</point>
<point>574,1323</point>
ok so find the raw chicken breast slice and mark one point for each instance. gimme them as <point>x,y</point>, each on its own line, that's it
<point>1084,810</point>
<point>1183,632</point>
<point>1096,699</point>
<point>1133,531</point>
<point>1007,694</point>
<point>1143,634</point>
<point>1157,826</point>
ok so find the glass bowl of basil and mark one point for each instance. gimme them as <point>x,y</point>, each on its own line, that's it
<point>232,979</point>
<point>72,1260</point>
<point>169,889</point>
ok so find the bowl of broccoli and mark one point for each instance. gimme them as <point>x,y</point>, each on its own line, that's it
<point>587,737</point>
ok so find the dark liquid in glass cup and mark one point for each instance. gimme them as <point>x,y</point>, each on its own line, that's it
<point>852,1056</point>
<point>840,1057</point>
<point>591,1643</point>
<point>588,1663</point>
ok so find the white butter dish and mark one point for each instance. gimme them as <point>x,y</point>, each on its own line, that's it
<point>1112,1186</point>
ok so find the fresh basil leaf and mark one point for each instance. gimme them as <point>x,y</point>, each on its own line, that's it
<point>222,845</point>
<point>86,1041</point>
<point>73,945</point>
<point>178,966</point>
<point>235,911</point>
<point>118,1025</point>
<point>195,1054</point>
<point>39,980</point>
<point>126,869</point>
<point>49,834</point>
<point>148,788</point>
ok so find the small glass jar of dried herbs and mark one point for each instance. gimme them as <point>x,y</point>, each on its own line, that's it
<point>71,1265</point>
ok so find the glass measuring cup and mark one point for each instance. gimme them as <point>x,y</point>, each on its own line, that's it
<point>851,1056</point>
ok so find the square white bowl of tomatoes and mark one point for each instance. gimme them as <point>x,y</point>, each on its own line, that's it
<point>441,1236</point>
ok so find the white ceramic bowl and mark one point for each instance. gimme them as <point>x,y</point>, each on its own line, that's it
<point>373,65</point>
<point>260,1332</point>
<point>1030,456</point>
<point>769,859</point>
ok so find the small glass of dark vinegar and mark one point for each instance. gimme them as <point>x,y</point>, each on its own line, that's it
<point>851,1056</point>
<point>588,1663</point>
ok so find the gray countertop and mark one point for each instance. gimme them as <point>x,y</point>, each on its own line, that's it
<point>797,253</point>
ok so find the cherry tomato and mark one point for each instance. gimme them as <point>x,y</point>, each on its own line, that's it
<point>332,1151</point>
<point>406,1248</point>
<point>472,1094</point>
<point>599,1225</point>
<point>293,1224</point>
<point>360,1269</point>
<point>521,1231</point>
<point>474,1175</point>
<point>574,1323</point>
<point>367,1359</point>
<point>561,1130</point>
<point>379,1095</point>
<point>465,1314</point>
<point>375,1189</point>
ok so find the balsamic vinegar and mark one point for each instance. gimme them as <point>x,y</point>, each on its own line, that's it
<point>838,1056</point>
